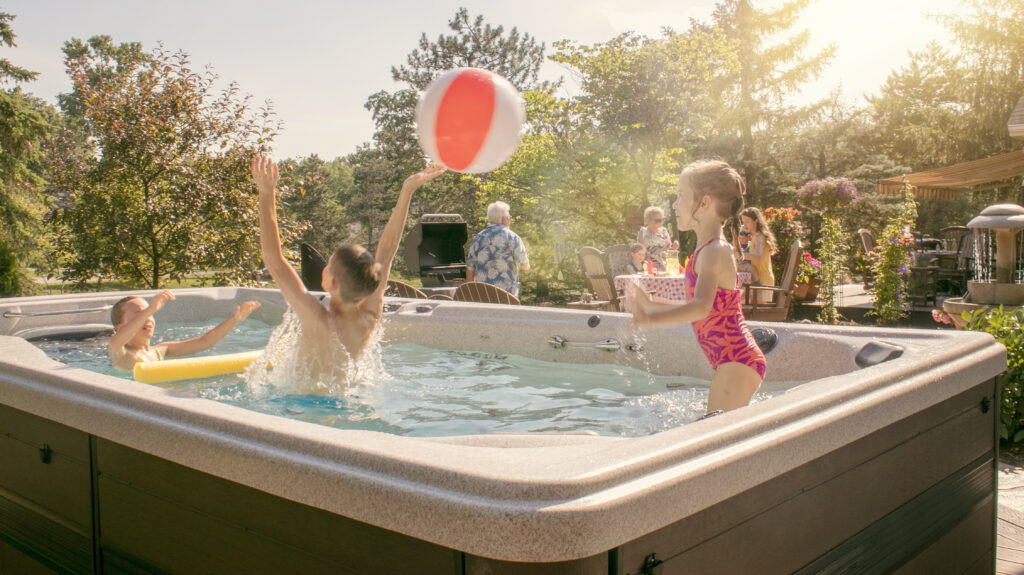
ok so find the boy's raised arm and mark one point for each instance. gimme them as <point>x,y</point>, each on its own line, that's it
<point>391,236</point>
<point>264,173</point>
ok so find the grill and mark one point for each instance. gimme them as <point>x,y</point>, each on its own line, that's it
<point>434,249</point>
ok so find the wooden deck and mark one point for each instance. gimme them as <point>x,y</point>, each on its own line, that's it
<point>1009,548</point>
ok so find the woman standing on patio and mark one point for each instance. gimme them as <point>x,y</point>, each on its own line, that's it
<point>655,237</point>
<point>760,248</point>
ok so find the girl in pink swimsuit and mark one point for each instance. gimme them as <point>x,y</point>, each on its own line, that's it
<point>710,192</point>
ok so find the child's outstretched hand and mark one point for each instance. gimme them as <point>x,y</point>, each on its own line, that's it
<point>160,299</point>
<point>243,311</point>
<point>638,300</point>
<point>264,173</point>
<point>418,179</point>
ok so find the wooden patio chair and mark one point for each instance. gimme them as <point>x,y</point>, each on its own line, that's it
<point>483,293</point>
<point>396,288</point>
<point>618,259</point>
<point>597,276</point>
<point>867,244</point>
<point>782,295</point>
<point>953,237</point>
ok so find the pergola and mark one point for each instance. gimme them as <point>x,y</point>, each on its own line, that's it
<point>946,183</point>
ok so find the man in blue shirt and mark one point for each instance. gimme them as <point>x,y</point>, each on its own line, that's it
<point>496,254</point>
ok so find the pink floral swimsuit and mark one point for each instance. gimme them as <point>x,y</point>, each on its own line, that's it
<point>723,334</point>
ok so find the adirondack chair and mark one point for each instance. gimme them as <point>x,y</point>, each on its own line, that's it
<point>598,277</point>
<point>483,293</point>
<point>396,288</point>
<point>777,309</point>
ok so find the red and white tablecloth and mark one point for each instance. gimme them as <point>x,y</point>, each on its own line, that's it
<point>663,288</point>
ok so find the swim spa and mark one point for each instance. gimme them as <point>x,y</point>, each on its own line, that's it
<point>885,466</point>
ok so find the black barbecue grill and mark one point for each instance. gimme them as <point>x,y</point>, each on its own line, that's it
<point>434,249</point>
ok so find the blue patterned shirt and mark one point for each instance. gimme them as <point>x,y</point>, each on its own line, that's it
<point>495,256</point>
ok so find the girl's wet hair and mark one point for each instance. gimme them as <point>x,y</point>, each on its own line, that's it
<point>356,270</point>
<point>719,180</point>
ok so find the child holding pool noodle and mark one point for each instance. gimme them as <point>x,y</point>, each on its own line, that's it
<point>133,329</point>
<point>354,278</point>
<point>710,192</point>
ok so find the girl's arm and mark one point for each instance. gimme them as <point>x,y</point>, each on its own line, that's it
<point>212,337</point>
<point>391,237</point>
<point>714,268</point>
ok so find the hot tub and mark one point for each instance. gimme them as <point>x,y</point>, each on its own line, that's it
<point>878,453</point>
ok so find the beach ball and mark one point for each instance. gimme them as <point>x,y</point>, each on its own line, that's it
<point>469,120</point>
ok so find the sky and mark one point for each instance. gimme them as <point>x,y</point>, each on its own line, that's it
<point>317,61</point>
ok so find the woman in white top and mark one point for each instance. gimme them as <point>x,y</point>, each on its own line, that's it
<point>655,237</point>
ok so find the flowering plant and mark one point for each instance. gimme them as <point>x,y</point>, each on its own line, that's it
<point>787,227</point>
<point>941,317</point>
<point>890,263</point>
<point>827,194</point>
<point>809,268</point>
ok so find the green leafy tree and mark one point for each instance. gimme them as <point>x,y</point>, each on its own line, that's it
<point>754,118</point>
<point>10,283</point>
<point>317,200</point>
<point>950,103</point>
<point>472,43</point>
<point>166,191</point>
<point>651,99</point>
<point>25,123</point>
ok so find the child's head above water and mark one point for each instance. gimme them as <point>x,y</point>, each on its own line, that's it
<point>718,180</point>
<point>127,308</point>
<point>355,271</point>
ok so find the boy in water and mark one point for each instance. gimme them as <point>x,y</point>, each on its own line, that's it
<point>354,277</point>
<point>133,328</point>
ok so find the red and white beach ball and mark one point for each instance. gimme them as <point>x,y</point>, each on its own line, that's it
<point>469,120</point>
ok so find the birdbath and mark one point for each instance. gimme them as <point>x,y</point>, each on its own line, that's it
<point>1001,286</point>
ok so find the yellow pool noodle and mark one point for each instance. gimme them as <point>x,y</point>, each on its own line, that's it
<point>193,367</point>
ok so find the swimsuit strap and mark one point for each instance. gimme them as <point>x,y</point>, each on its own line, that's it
<point>693,258</point>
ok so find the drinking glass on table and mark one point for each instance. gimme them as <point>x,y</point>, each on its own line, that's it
<point>672,262</point>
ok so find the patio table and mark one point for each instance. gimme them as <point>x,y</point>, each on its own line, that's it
<point>663,288</point>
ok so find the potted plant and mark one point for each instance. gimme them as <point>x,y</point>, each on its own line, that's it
<point>808,279</point>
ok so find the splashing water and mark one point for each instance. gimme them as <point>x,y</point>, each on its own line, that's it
<point>285,366</point>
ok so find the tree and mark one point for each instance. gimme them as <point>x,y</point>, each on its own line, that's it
<point>754,118</point>
<point>472,43</point>
<point>25,123</point>
<point>951,105</point>
<point>319,191</point>
<point>651,99</point>
<point>166,191</point>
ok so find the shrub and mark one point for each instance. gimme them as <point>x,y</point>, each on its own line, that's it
<point>1006,327</point>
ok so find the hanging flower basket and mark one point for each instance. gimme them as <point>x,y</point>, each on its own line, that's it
<point>807,290</point>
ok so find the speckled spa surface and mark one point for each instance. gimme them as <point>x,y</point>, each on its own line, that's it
<point>525,497</point>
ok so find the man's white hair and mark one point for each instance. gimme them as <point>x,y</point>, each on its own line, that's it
<point>496,212</point>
